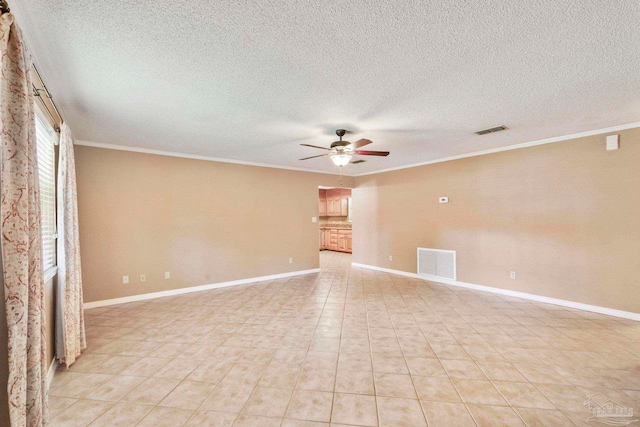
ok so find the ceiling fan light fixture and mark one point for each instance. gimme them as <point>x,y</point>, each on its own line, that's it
<point>341,159</point>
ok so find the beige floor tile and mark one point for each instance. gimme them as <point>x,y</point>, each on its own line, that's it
<point>354,409</point>
<point>210,372</point>
<point>116,364</point>
<point>310,406</point>
<point>303,423</point>
<point>389,364</point>
<point>246,373</point>
<point>177,369</point>
<point>268,402</point>
<point>396,412</point>
<point>450,351</point>
<point>328,331</point>
<point>479,392</point>
<point>543,418</point>
<point>82,385</point>
<point>321,360</point>
<point>495,416</point>
<point>256,421</point>
<point>355,362</point>
<point>394,385</point>
<point>463,369</point>
<point>541,374</point>
<point>122,415</point>
<point>212,419</point>
<point>565,398</point>
<point>81,413</point>
<point>425,366</point>
<point>435,388</point>
<point>115,389</point>
<point>447,414</point>
<point>88,362</point>
<point>356,382</point>
<point>280,377</point>
<point>523,395</point>
<point>151,391</point>
<point>501,371</point>
<point>188,395</point>
<point>59,404</point>
<point>166,417</point>
<point>145,367</point>
<point>228,396</point>
<point>316,379</point>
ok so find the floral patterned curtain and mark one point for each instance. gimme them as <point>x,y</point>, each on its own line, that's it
<point>21,239</point>
<point>70,336</point>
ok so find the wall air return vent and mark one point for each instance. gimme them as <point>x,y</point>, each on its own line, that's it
<point>492,130</point>
<point>437,264</point>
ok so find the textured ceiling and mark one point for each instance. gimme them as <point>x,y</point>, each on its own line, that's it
<point>251,80</point>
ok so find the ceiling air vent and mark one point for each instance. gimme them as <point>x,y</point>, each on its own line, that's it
<point>355,162</point>
<point>492,130</point>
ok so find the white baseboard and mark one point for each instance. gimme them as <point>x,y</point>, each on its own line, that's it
<point>517,294</point>
<point>141,297</point>
<point>51,372</point>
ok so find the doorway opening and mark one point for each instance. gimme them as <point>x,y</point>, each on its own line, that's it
<point>335,221</point>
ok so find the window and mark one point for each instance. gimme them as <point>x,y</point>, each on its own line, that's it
<point>46,139</point>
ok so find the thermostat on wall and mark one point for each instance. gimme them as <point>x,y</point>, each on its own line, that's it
<point>443,200</point>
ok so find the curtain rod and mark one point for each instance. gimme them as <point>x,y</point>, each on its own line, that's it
<point>4,8</point>
<point>37,91</point>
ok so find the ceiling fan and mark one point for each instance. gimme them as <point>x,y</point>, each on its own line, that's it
<point>341,151</point>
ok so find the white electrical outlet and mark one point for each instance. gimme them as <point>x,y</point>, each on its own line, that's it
<point>290,260</point>
<point>390,257</point>
<point>143,278</point>
<point>125,279</point>
<point>167,275</point>
<point>512,274</point>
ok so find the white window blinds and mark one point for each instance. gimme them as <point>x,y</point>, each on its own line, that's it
<point>46,139</point>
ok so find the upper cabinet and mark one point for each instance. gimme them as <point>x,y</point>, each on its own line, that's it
<point>323,202</point>
<point>334,202</point>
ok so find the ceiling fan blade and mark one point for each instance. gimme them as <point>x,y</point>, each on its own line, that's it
<point>360,143</point>
<point>315,146</point>
<point>313,157</point>
<point>372,153</point>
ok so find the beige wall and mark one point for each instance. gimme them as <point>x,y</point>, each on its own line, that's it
<point>205,222</point>
<point>564,216</point>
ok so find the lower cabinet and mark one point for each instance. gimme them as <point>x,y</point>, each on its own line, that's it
<point>335,239</point>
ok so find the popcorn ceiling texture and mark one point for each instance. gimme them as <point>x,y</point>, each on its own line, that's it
<point>251,80</point>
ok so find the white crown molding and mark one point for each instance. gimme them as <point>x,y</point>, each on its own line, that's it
<point>510,147</point>
<point>142,297</point>
<point>412,165</point>
<point>517,294</point>
<point>194,156</point>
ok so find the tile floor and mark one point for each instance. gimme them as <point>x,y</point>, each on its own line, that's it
<point>346,347</point>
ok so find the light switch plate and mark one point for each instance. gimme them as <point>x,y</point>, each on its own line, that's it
<point>612,142</point>
<point>314,219</point>
<point>443,200</point>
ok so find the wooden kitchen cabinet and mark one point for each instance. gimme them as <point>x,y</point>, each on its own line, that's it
<point>344,206</point>
<point>342,242</point>
<point>334,202</point>
<point>336,239</point>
